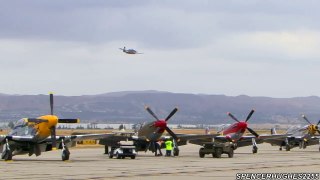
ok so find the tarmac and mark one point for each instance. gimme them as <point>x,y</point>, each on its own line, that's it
<point>91,163</point>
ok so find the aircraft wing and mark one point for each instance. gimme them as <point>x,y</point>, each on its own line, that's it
<point>187,137</point>
<point>198,139</point>
<point>17,138</point>
<point>82,137</point>
<point>247,140</point>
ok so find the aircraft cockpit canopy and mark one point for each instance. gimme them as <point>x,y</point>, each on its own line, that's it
<point>20,123</point>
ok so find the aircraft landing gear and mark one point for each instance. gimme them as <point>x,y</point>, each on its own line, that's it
<point>280,149</point>
<point>254,146</point>
<point>175,152</point>
<point>65,152</point>
<point>106,149</point>
<point>6,152</point>
<point>287,145</point>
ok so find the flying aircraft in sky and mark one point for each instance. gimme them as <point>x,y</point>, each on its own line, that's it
<point>152,132</point>
<point>36,135</point>
<point>300,136</point>
<point>235,134</point>
<point>129,51</point>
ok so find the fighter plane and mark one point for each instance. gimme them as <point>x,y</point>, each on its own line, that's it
<point>36,135</point>
<point>300,136</point>
<point>152,132</point>
<point>129,51</point>
<point>235,134</point>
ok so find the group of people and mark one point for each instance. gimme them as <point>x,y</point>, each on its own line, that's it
<point>168,144</point>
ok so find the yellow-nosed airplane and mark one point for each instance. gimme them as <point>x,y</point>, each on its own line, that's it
<point>36,135</point>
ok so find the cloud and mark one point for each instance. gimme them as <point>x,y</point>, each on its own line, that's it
<point>237,47</point>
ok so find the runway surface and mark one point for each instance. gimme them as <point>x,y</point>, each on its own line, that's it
<point>91,163</point>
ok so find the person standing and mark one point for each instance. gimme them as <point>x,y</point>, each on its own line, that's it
<point>168,144</point>
<point>158,148</point>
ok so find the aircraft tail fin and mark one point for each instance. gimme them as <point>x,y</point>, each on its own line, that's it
<point>273,131</point>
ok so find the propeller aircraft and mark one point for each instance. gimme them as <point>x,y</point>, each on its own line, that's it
<point>129,51</point>
<point>36,135</point>
<point>152,132</point>
<point>235,134</point>
<point>300,136</point>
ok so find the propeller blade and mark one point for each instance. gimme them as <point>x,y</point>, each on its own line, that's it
<point>318,131</point>
<point>172,134</point>
<point>35,120</point>
<point>53,137</point>
<point>305,118</point>
<point>68,120</point>
<point>172,113</point>
<point>253,132</point>
<point>150,112</point>
<point>249,115</point>
<point>234,118</point>
<point>51,103</point>
<point>318,123</point>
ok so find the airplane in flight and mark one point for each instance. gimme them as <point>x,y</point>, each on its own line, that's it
<point>37,135</point>
<point>300,136</point>
<point>235,134</point>
<point>152,132</point>
<point>129,51</point>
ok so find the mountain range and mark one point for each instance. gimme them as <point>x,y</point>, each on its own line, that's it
<point>129,107</point>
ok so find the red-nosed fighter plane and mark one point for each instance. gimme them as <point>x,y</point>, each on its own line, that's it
<point>152,132</point>
<point>235,134</point>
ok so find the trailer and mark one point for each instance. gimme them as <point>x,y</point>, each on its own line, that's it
<point>217,149</point>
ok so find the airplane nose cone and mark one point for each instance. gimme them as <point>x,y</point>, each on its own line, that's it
<point>243,125</point>
<point>161,124</point>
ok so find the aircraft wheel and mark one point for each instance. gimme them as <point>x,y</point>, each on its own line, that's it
<point>176,152</point>
<point>133,157</point>
<point>287,147</point>
<point>65,155</point>
<point>304,145</point>
<point>255,149</point>
<point>230,154</point>
<point>110,155</point>
<point>7,155</point>
<point>280,149</point>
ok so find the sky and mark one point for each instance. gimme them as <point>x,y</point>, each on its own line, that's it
<point>235,47</point>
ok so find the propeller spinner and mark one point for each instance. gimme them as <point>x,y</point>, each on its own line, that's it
<point>312,127</point>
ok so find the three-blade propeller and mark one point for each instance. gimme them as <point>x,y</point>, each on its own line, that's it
<point>53,128</point>
<point>316,126</point>
<point>174,136</point>
<point>247,119</point>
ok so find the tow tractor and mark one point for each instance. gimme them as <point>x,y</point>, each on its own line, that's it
<point>125,149</point>
<point>217,149</point>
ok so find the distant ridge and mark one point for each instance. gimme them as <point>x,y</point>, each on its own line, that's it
<point>128,107</point>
